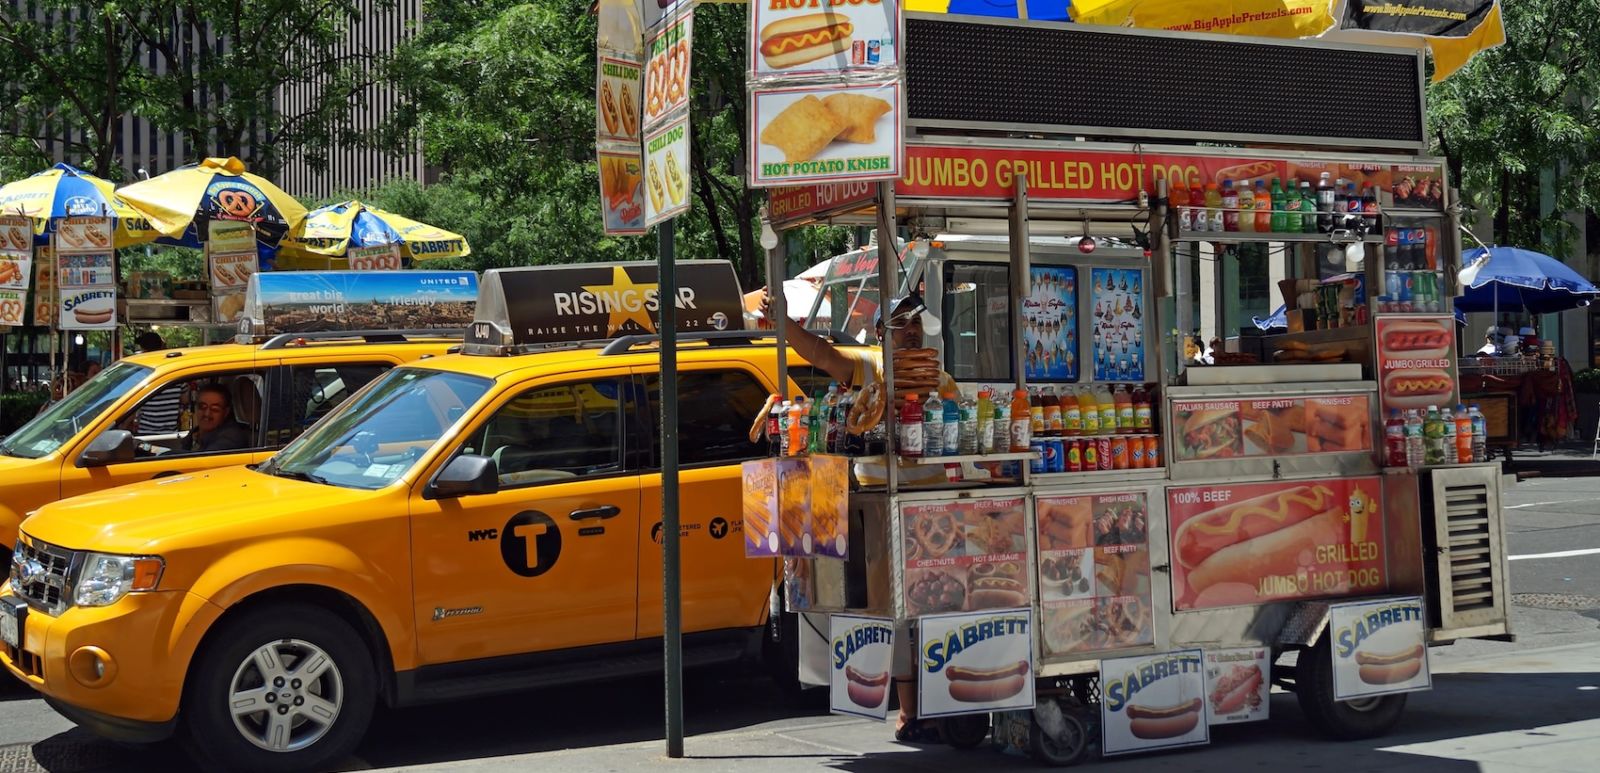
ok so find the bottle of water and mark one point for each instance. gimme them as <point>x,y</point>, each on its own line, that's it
<point>969,426</point>
<point>933,426</point>
<point>952,425</point>
<point>1480,435</point>
<point>985,409</point>
<point>1414,452</point>
<point>1449,435</point>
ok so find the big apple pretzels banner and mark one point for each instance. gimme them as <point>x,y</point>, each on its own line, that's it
<point>823,37</point>
<point>975,663</point>
<point>1249,543</point>
<point>1378,648</point>
<point>1153,702</point>
<point>1238,685</point>
<point>1414,359</point>
<point>861,658</point>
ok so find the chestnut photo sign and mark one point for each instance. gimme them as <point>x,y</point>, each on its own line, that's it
<point>974,663</point>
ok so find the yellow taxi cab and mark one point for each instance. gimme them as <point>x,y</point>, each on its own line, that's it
<point>162,413</point>
<point>474,523</point>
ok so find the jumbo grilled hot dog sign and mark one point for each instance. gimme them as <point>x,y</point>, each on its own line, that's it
<point>862,653</point>
<point>1378,648</point>
<point>975,663</point>
<point>1153,702</point>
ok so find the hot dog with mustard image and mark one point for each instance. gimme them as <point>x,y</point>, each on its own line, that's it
<point>657,188</point>
<point>977,686</point>
<point>1150,722</point>
<point>1269,535</point>
<point>796,40</point>
<point>677,188</point>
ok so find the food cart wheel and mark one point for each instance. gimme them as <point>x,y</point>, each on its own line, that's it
<point>1062,734</point>
<point>1343,720</point>
<point>965,731</point>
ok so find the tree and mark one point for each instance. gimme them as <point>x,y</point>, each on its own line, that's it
<point>1525,111</point>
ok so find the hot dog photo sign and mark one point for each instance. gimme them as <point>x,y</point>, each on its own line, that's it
<point>1414,359</point>
<point>809,37</point>
<point>1237,685</point>
<point>975,663</point>
<point>862,654</point>
<point>1153,702</point>
<point>1378,648</point>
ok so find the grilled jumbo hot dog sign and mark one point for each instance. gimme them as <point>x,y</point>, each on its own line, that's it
<point>862,653</point>
<point>1378,648</point>
<point>1153,702</point>
<point>975,663</point>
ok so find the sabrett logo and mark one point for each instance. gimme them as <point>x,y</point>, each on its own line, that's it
<point>860,636</point>
<point>1121,690</point>
<point>1350,638</point>
<point>937,654</point>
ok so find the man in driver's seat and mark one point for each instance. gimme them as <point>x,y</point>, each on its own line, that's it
<point>214,426</point>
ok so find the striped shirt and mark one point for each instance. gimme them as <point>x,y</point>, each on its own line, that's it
<point>159,415</point>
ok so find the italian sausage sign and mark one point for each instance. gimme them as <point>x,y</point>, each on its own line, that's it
<point>862,653</point>
<point>971,663</point>
<point>1153,702</point>
<point>1378,648</point>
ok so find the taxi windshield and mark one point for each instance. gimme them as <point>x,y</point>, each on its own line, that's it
<point>58,424</point>
<point>381,431</point>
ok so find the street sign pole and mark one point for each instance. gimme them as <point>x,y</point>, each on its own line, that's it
<point>672,601</point>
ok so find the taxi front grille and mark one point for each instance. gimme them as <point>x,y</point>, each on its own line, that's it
<point>41,574</point>
<point>26,662</point>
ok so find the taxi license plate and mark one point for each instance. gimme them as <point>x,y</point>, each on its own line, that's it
<point>12,613</point>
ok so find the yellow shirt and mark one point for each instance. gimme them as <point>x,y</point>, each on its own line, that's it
<point>869,470</point>
<point>869,368</point>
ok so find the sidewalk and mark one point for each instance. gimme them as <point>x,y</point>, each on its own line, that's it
<point>1536,710</point>
<point>1569,460</point>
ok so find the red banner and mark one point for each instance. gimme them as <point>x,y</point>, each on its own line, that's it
<point>803,202</point>
<point>1251,543</point>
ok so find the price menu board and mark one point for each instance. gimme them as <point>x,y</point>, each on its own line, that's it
<point>965,556</point>
<point>1094,572</point>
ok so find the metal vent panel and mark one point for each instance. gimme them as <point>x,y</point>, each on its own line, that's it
<point>1470,565</point>
<point>1113,83</point>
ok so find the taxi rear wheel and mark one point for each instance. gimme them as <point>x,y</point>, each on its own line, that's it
<point>287,687</point>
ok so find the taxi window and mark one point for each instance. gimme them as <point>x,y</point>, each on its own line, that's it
<point>310,392</point>
<point>62,420</point>
<point>715,408</point>
<point>212,413</point>
<point>555,433</point>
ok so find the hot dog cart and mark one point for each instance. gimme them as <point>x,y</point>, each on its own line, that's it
<point>1265,542</point>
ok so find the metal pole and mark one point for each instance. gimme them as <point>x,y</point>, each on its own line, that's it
<point>1020,279</point>
<point>888,268</point>
<point>672,597</point>
<point>777,260</point>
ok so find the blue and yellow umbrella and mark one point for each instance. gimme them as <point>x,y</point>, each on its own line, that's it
<point>181,203</point>
<point>334,230</point>
<point>66,191</point>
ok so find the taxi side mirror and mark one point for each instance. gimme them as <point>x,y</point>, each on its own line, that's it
<point>111,447</point>
<point>465,475</point>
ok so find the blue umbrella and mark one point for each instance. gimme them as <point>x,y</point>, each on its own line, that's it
<point>1518,278</point>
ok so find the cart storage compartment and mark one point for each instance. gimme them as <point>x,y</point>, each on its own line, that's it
<point>1467,581</point>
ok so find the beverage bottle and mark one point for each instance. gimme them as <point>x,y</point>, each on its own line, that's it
<point>1414,440</point>
<point>1002,423</point>
<point>1178,201</point>
<point>1143,415</point>
<point>1021,425</point>
<point>1263,208</point>
<point>1213,207</point>
<point>969,427</point>
<point>817,424</point>
<point>1230,206</point>
<point>833,420</point>
<point>847,401</point>
<point>1432,437</point>
<point>1463,435</point>
<point>1394,435</point>
<point>1449,421</point>
<point>1071,414</point>
<point>1480,435</point>
<point>1119,453</point>
<point>775,421</point>
<point>797,426</point>
<point>933,426</point>
<point>1308,208</point>
<point>1352,205</point>
<point>1280,208</point>
<point>1247,208</point>
<point>1326,198</point>
<point>1090,409</point>
<point>1124,402</point>
<point>1074,451</point>
<point>1036,412</point>
<point>985,410</point>
<point>1369,208</point>
<point>1053,424</point>
<point>911,431</point>
<point>952,425</point>
<point>1091,455</point>
<point>1291,206</point>
<point>1108,410</point>
<point>1197,204</point>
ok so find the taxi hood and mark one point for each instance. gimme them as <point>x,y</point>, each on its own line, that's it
<point>185,510</point>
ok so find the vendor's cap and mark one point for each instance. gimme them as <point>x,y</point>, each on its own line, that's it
<point>910,303</point>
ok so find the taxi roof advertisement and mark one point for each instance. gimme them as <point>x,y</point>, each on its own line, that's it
<point>558,304</point>
<point>307,301</point>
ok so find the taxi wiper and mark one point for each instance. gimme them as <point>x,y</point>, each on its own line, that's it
<point>298,475</point>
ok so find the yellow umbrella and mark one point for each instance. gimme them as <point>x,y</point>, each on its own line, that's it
<point>181,203</point>
<point>332,231</point>
<point>1264,18</point>
<point>66,191</point>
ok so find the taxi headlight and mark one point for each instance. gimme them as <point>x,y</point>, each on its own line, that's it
<point>105,579</point>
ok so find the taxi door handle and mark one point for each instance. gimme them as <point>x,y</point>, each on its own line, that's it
<point>604,511</point>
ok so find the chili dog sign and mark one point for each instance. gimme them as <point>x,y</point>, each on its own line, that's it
<point>1252,543</point>
<point>1153,702</point>
<point>862,654</point>
<point>975,663</point>
<point>1378,648</point>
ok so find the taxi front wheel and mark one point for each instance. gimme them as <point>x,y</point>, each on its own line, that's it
<point>282,688</point>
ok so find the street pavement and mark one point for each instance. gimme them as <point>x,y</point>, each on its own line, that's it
<point>1528,705</point>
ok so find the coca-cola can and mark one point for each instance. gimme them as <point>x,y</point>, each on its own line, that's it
<point>858,52</point>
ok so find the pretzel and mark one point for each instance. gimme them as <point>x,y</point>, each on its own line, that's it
<point>867,411</point>
<point>757,429</point>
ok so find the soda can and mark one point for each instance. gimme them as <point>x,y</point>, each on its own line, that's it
<point>858,52</point>
<point>1056,453</point>
<point>874,49</point>
<point>1136,453</point>
<point>1152,451</point>
<point>1091,456</point>
<point>1037,464</point>
<point>1103,452</point>
<point>1074,461</point>
<point>1119,453</point>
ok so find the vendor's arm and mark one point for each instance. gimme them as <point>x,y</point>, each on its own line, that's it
<point>817,351</point>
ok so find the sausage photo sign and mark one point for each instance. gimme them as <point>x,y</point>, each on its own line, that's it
<point>1153,702</point>
<point>1378,648</point>
<point>1238,683</point>
<point>974,663</point>
<point>861,656</point>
